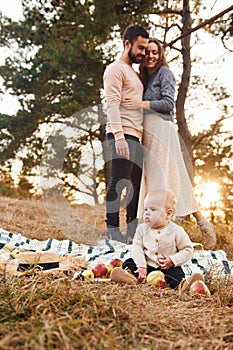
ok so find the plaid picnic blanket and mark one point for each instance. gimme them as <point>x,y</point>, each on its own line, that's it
<point>11,244</point>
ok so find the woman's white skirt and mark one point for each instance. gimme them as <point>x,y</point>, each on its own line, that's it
<point>164,166</point>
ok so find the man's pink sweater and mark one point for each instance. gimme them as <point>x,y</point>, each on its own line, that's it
<point>121,82</point>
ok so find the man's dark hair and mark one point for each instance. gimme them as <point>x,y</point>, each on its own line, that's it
<point>133,31</point>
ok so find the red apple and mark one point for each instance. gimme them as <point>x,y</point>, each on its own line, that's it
<point>100,270</point>
<point>156,278</point>
<point>199,287</point>
<point>114,263</point>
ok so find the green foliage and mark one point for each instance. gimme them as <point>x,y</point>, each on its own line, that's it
<point>57,72</point>
<point>9,189</point>
<point>59,53</point>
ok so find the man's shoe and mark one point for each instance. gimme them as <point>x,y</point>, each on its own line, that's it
<point>122,276</point>
<point>209,236</point>
<point>115,234</point>
<point>185,284</point>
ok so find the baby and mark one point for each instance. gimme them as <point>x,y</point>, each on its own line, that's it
<point>159,244</point>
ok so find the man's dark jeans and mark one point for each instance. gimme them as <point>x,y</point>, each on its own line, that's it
<point>124,173</point>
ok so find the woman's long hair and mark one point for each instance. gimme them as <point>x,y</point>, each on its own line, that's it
<point>162,61</point>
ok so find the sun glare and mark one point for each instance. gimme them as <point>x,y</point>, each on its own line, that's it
<point>208,194</point>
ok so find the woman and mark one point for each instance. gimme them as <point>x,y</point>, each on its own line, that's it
<point>164,166</point>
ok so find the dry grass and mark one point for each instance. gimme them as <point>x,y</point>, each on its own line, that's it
<point>44,219</point>
<point>42,311</point>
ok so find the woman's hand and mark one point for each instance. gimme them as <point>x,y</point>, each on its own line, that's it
<point>138,103</point>
<point>133,102</point>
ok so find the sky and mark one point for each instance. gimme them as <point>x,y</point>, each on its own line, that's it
<point>13,9</point>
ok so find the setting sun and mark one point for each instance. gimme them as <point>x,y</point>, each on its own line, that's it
<point>208,194</point>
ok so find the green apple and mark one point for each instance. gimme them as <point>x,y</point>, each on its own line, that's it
<point>156,278</point>
<point>88,275</point>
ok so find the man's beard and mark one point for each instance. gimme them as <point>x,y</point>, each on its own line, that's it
<point>133,58</point>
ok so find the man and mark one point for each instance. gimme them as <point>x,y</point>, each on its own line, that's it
<point>124,130</point>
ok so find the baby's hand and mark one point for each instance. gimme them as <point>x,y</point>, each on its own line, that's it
<point>142,272</point>
<point>165,262</point>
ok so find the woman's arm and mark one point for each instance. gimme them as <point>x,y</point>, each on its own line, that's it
<point>161,91</point>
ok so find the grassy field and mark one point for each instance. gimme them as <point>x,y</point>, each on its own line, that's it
<point>48,311</point>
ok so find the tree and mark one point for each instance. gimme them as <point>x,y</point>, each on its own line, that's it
<point>57,72</point>
<point>62,48</point>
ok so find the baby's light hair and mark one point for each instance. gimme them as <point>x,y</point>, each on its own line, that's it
<point>168,196</point>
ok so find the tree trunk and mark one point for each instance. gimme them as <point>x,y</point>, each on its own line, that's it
<point>186,137</point>
<point>106,150</point>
